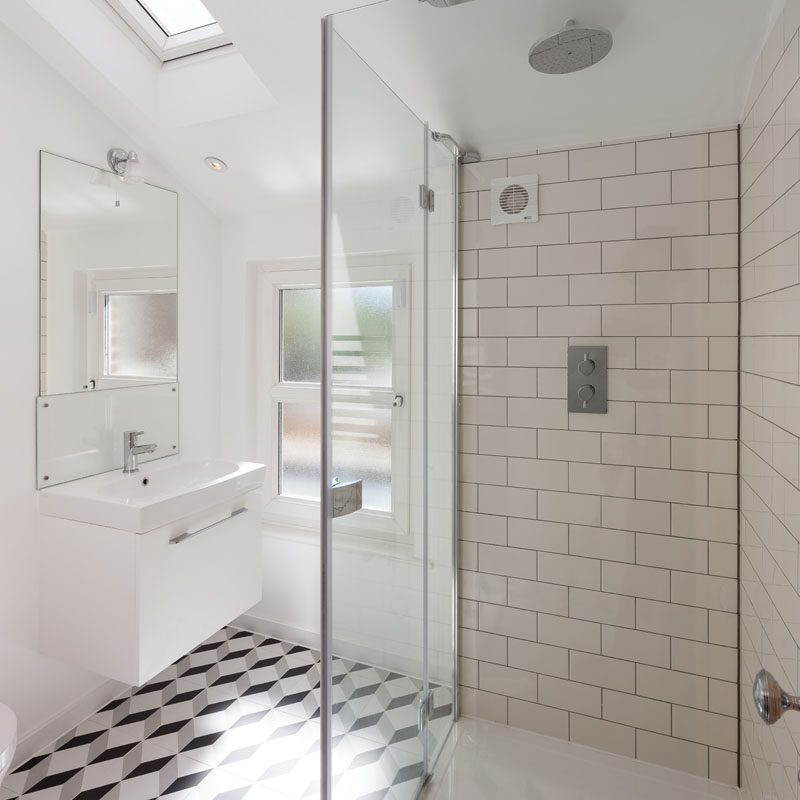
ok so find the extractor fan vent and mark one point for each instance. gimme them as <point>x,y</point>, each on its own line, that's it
<point>515,200</point>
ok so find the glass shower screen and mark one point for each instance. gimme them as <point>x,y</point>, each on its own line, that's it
<point>388,437</point>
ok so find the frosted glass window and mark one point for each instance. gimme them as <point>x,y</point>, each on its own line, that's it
<point>299,451</point>
<point>178,16</point>
<point>363,438</point>
<point>362,449</point>
<point>362,340</point>
<point>362,336</point>
<point>362,356</point>
<point>300,335</point>
<point>141,335</point>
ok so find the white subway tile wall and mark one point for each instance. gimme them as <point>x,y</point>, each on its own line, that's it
<point>598,568</point>
<point>769,414</point>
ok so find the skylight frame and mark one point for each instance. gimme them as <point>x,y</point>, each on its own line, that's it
<point>166,47</point>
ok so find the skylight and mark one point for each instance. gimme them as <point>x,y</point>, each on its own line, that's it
<point>178,16</point>
<point>172,28</point>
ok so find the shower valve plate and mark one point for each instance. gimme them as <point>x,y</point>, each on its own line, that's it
<point>587,384</point>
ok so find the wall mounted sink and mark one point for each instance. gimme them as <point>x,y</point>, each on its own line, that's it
<point>161,492</point>
<point>138,569</point>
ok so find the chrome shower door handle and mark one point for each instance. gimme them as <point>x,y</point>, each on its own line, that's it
<point>346,498</point>
<point>771,701</point>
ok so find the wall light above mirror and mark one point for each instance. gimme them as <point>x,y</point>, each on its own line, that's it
<point>109,280</point>
<point>126,164</point>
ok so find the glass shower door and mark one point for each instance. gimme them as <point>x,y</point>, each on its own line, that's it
<point>441,448</point>
<point>388,438</point>
<point>372,282</point>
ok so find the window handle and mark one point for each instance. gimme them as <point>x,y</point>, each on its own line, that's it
<point>399,401</point>
<point>346,498</point>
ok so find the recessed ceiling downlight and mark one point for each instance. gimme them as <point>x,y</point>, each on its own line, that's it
<point>217,164</point>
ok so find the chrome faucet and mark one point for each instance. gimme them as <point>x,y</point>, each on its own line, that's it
<point>132,450</point>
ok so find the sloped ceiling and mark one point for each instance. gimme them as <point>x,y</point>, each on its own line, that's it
<point>676,65</point>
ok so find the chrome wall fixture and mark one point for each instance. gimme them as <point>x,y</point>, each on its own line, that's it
<point>444,3</point>
<point>573,48</point>
<point>463,156</point>
<point>587,379</point>
<point>771,701</point>
<point>126,164</point>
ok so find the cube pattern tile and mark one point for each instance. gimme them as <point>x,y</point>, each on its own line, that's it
<point>593,547</point>
<point>769,597</point>
<point>238,718</point>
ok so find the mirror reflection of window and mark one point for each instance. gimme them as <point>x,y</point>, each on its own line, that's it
<point>109,280</point>
<point>141,336</point>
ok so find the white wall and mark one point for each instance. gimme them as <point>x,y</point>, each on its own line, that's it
<point>42,111</point>
<point>291,600</point>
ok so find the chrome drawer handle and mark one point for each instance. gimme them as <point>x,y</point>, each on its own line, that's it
<point>186,536</point>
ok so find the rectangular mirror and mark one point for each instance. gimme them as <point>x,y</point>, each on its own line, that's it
<point>109,319</point>
<point>109,280</point>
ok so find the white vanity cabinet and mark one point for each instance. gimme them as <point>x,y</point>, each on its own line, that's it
<point>127,604</point>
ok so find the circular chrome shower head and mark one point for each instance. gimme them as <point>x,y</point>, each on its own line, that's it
<point>572,48</point>
<point>444,3</point>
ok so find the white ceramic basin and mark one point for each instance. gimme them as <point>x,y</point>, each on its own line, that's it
<point>161,492</point>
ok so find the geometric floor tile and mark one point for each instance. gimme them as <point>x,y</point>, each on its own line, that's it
<point>238,719</point>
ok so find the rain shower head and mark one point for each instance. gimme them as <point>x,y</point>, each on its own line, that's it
<point>572,48</point>
<point>444,3</point>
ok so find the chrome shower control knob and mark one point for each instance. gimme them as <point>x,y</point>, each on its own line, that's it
<point>586,367</point>
<point>587,379</point>
<point>586,393</point>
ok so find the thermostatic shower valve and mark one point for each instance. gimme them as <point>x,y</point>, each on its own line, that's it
<point>587,385</point>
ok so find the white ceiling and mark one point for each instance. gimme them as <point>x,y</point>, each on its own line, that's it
<point>676,65</point>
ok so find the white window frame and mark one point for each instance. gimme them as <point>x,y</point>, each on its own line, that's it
<point>280,511</point>
<point>164,46</point>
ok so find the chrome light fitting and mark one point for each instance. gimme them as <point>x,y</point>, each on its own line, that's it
<point>126,164</point>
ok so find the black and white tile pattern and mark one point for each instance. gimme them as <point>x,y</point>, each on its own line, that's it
<point>238,719</point>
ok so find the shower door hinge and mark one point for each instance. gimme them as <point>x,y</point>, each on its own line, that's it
<point>426,198</point>
<point>424,710</point>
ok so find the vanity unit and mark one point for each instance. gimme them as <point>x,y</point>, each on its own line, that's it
<point>137,569</point>
<point>144,553</point>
